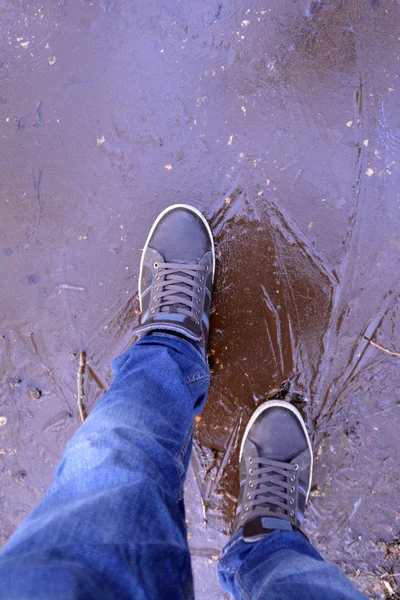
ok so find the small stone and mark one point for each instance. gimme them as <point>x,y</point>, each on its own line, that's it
<point>32,279</point>
<point>15,381</point>
<point>3,421</point>
<point>34,393</point>
<point>19,476</point>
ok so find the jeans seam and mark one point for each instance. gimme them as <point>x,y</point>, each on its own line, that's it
<point>243,591</point>
<point>179,458</point>
<point>231,544</point>
<point>222,560</point>
<point>197,376</point>
<point>180,341</point>
<point>226,567</point>
<point>185,442</point>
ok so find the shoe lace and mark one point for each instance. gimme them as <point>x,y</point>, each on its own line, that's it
<point>179,285</point>
<point>272,488</point>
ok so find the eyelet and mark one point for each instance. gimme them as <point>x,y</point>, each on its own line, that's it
<point>198,300</point>
<point>250,460</point>
<point>206,267</point>
<point>155,265</point>
<point>246,508</point>
<point>197,312</point>
<point>293,478</point>
<point>250,484</point>
<point>251,471</point>
<point>199,290</point>
<point>292,513</point>
<point>296,467</point>
<point>292,490</point>
<point>156,287</point>
<point>152,310</point>
<point>202,278</point>
<point>157,276</point>
<point>249,496</point>
<point>291,501</point>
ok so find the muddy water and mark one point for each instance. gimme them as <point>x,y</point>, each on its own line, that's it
<point>280,121</point>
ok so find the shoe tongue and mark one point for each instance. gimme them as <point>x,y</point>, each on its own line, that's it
<point>174,308</point>
<point>263,451</point>
<point>272,507</point>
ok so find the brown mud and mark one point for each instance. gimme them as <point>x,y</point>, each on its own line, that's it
<point>279,120</point>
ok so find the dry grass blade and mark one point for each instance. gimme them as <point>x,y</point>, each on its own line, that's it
<point>80,380</point>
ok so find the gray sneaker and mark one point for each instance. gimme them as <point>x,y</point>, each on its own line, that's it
<point>176,275</point>
<point>275,471</point>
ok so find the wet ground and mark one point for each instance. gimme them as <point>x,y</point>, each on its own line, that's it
<point>279,120</point>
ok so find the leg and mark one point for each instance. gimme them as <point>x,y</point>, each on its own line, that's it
<point>113,524</point>
<point>268,556</point>
<point>282,565</point>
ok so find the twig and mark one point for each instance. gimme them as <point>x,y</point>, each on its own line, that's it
<point>293,162</point>
<point>203,505</point>
<point>74,288</point>
<point>37,180</point>
<point>230,449</point>
<point>39,115</point>
<point>391,352</point>
<point>211,465</point>
<point>196,457</point>
<point>80,379</point>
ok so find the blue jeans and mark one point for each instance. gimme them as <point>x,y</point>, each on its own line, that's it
<point>113,523</point>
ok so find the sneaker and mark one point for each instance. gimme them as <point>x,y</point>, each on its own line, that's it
<point>275,471</point>
<point>176,275</point>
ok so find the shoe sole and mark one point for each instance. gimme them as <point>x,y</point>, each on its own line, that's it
<point>156,222</point>
<point>282,404</point>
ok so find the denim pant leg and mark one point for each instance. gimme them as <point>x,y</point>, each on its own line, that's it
<point>113,524</point>
<point>281,566</point>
